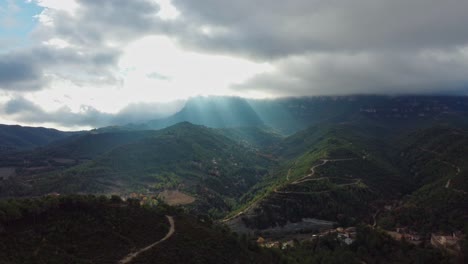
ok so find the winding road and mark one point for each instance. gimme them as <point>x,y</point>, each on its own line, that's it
<point>301,180</point>
<point>312,170</point>
<point>311,174</point>
<point>449,181</point>
<point>131,256</point>
<point>240,213</point>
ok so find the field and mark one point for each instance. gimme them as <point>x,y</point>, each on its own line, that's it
<point>173,197</point>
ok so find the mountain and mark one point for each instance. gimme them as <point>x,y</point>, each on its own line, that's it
<point>64,153</point>
<point>354,173</point>
<point>329,172</point>
<point>435,158</point>
<point>287,170</point>
<point>213,112</point>
<point>255,136</point>
<point>196,162</point>
<point>92,144</point>
<point>291,115</point>
<point>14,137</point>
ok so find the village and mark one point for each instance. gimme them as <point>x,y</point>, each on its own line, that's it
<point>347,236</point>
<point>344,235</point>
<point>447,242</point>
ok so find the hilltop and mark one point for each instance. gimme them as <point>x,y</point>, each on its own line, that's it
<point>92,229</point>
<point>15,138</point>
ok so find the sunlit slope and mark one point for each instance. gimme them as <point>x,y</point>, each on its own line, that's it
<point>331,172</point>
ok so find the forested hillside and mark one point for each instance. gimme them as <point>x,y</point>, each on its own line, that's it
<point>331,172</point>
<point>436,159</point>
<point>14,138</point>
<point>95,229</point>
<point>365,168</point>
<point>196,160</point>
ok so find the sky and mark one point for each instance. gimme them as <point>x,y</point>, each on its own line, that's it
<point>74,64</point>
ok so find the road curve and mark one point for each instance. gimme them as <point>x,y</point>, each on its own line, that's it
<point>131,256</point>
<point>312,170</point>
<point>305,178</point>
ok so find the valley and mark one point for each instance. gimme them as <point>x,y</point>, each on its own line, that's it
<point>293,181</point>
<point>233,132</point>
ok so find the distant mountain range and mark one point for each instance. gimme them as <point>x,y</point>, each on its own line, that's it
<point>267,165</point>
<point>290,115</point>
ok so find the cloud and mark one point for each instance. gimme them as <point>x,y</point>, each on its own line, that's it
<point>100,23</point>
<point>158,76</point>
<point>17,73</point>
<point>337,47</point>
<point>81,44</point>
<point>271,29</point>
<point>29,70</point>
<point>371,73</point>
<point>144,50</point>
<point>141,112</point>
<point>20,105</point>
<point>25,111</point>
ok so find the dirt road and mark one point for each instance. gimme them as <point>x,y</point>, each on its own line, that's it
<point>131,256</point>
<point>312,170</point>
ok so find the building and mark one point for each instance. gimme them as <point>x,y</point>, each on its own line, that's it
<point>447,242</point>
<point>260,241</point>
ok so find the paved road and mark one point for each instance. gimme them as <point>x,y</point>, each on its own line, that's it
<point>131,256</point>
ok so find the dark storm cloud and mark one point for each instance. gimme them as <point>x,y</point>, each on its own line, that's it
<point>375,73</point>
<point>271,29</point>
<point>336,46</point>
<point>23,110</point>
<point>31,69</point>
<point>20,105</point>
<point>99,22</point>
<point>17,73</point>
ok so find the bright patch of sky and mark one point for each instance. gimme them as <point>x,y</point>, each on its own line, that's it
<point>17,20</point>
<point>154,69</point>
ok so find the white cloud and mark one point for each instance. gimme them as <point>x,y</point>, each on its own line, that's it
<point>167,10</point>
<point>69,6</point>
<point>58,43</point>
